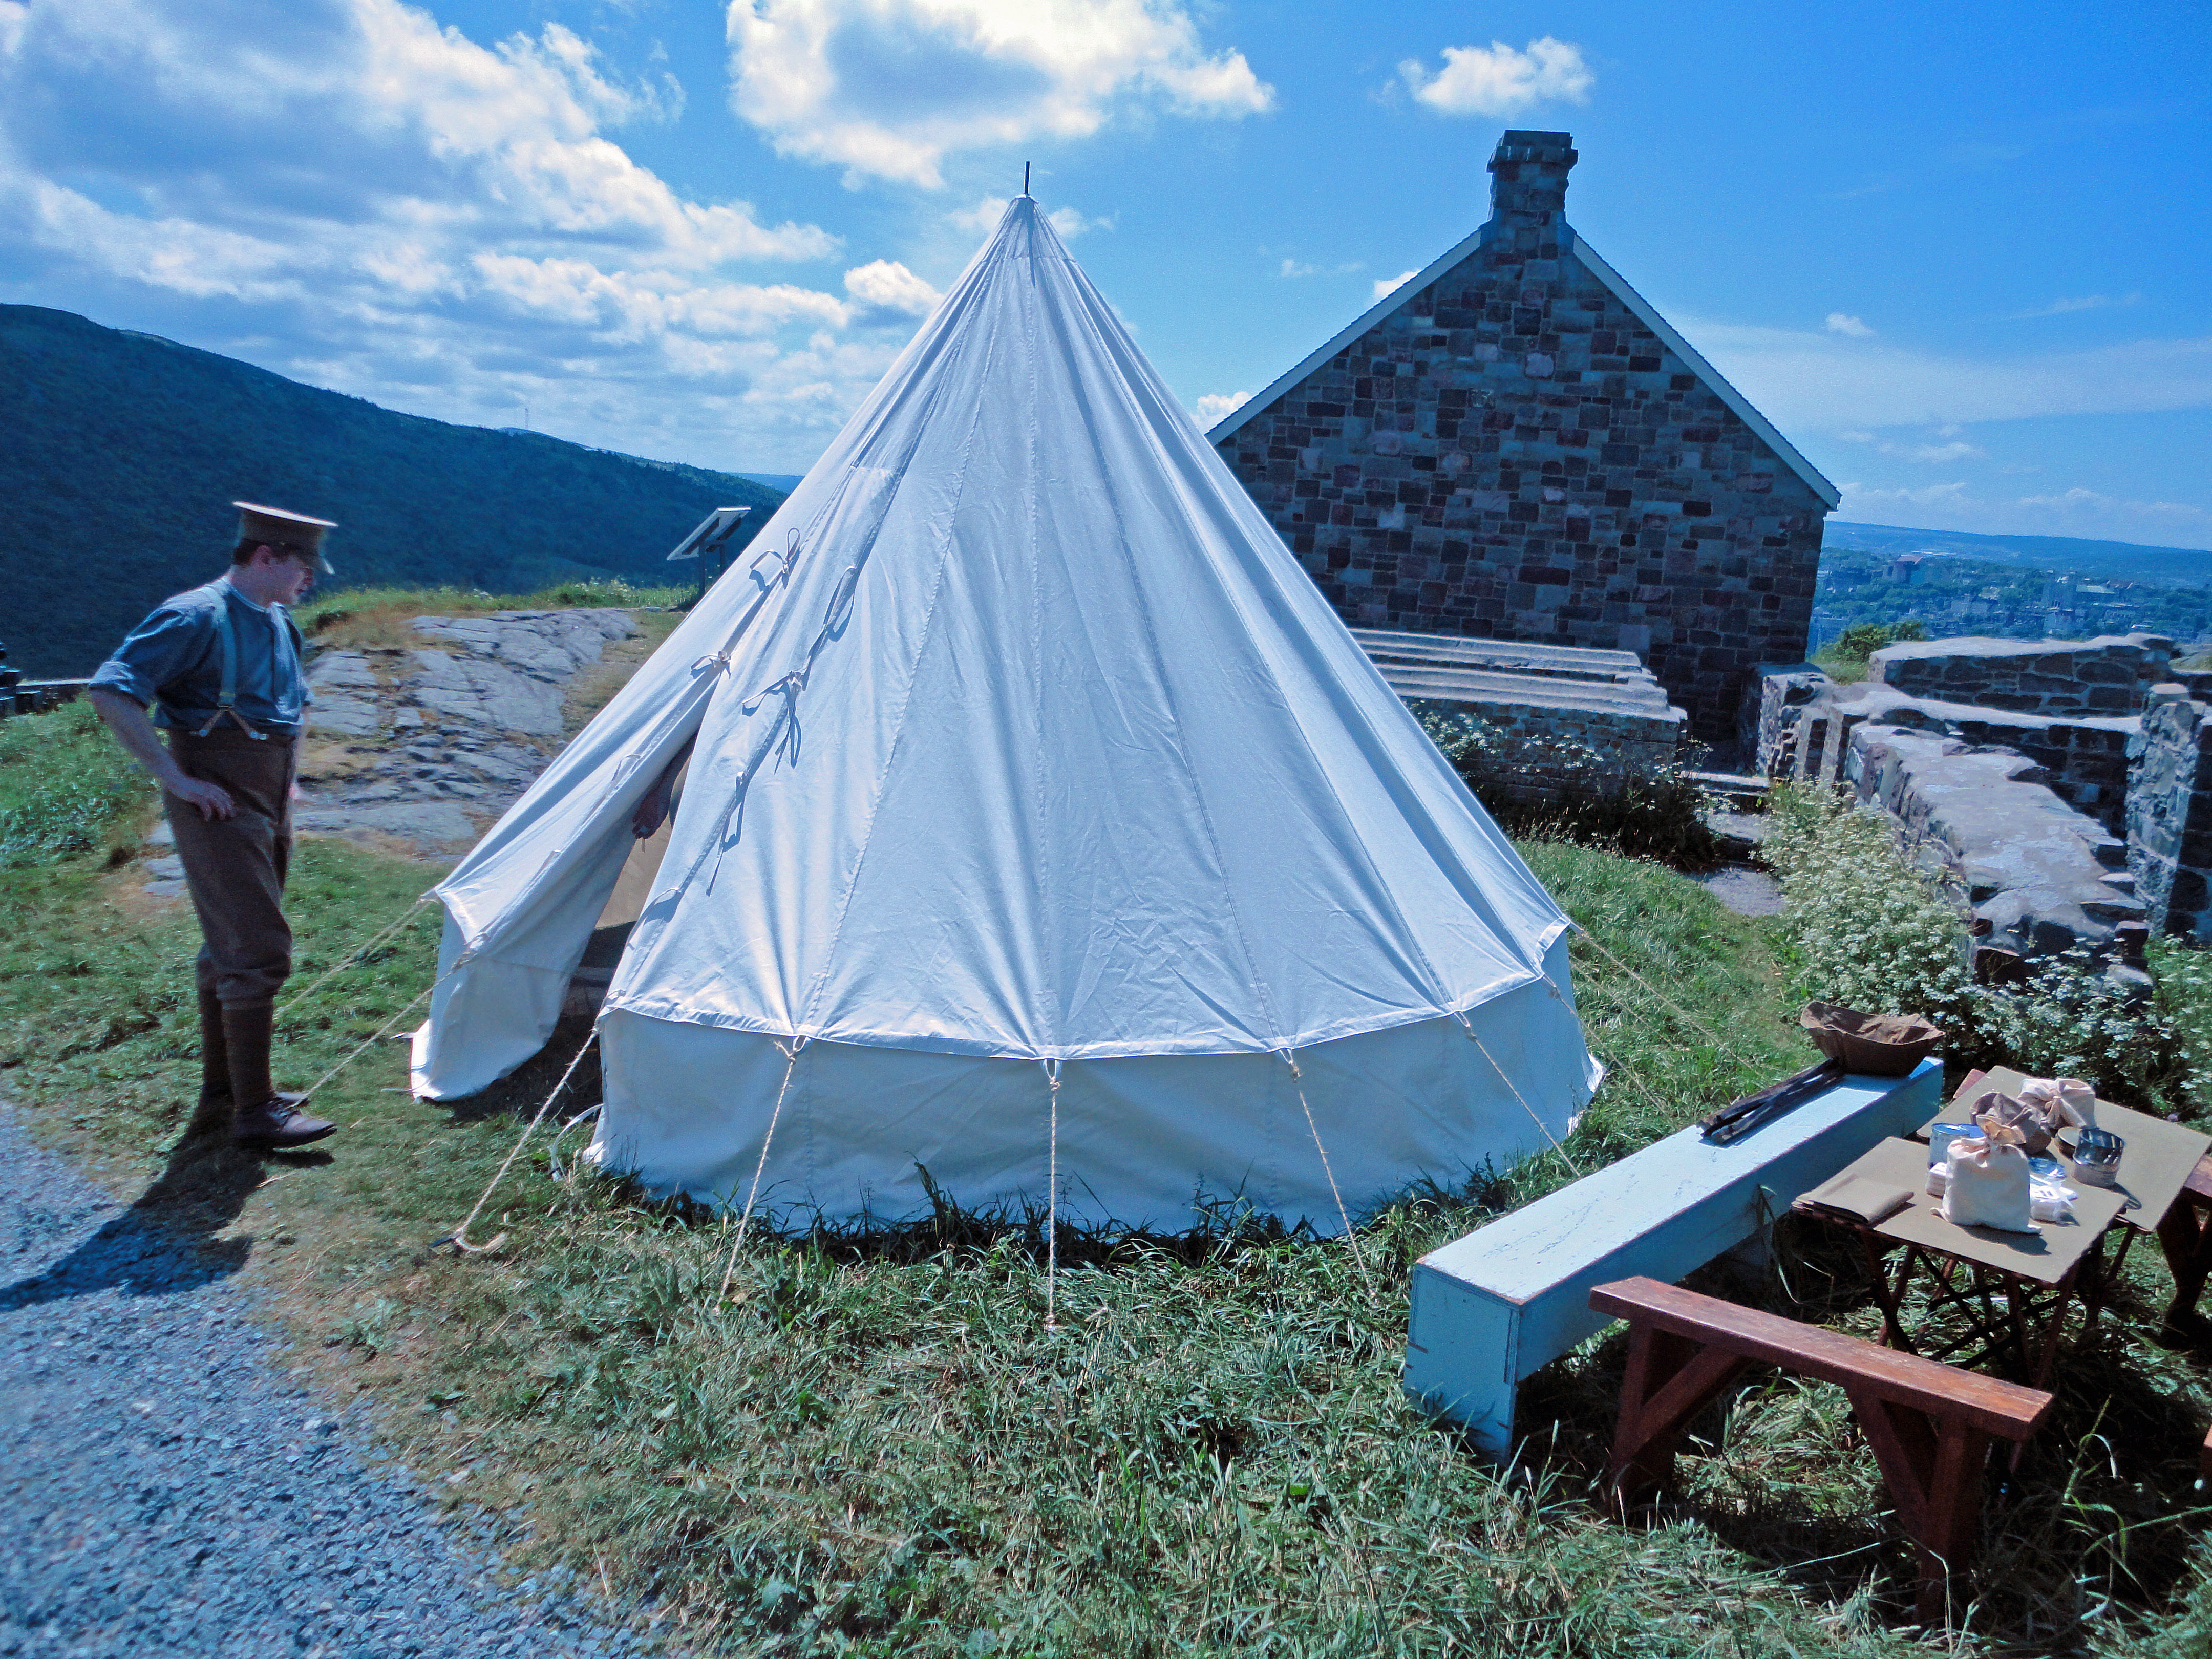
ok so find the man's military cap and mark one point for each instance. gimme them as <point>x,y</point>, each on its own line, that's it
<point>292,532</point>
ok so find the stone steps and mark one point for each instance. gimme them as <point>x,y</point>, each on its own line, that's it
<point>1509,656</point>
<point>1455,669</point>
<point>1521,691</point>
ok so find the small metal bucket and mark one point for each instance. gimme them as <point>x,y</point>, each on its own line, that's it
<point>2097,1158</point>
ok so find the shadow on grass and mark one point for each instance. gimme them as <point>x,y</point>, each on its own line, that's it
<point>2102,1514</point>
<point>524,1090</point>
<point>166,1241</point>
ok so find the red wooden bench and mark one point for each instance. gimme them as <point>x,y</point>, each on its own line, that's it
<point>1929,1424</point>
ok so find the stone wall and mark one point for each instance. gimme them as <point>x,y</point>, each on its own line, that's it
<point>2170,814</point>
<point>2041,878</point>
<point>2084,760</point>
<point>1767,722</point>
<point>20,696</point>
<point>1539,754</point>
<point>1512,453</point>
<point>2110,675</point>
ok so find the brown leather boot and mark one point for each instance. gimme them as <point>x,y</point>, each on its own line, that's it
<point>213,1115</point>
<point>277,1123</point>
<point>214,1052</point>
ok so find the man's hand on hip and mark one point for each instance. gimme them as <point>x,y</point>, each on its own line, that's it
<point>135,733</point>
<point>212,801</point>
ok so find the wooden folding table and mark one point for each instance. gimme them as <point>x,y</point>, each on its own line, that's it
<point>2004,1283</point>
<point>2167,1170</point>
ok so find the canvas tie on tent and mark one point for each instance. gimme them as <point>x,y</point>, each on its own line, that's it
<point>1030,743</point>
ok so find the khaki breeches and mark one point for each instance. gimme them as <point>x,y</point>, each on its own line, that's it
<point>236,866</point>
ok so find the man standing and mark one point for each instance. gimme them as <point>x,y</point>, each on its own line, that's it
<point>221,666</point>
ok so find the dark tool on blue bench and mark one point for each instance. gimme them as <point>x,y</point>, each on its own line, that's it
<point>1740,1117</point>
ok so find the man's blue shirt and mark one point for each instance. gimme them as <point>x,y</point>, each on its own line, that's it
<point>174,661</point>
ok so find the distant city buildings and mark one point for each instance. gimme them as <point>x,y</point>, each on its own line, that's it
<point>1946,594</point>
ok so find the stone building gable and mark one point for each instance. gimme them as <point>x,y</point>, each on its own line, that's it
<point>1516,446</point>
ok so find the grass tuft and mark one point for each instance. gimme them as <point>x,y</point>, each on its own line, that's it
<point>63,784</point>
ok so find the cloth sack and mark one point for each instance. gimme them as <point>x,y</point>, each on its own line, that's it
<point>2025,1115</point>
<point>2077,1103</point>
<point>2060,1102</point>
<point>1989,1180</point>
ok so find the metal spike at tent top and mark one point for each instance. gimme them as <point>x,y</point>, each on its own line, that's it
<point>1026,177</point>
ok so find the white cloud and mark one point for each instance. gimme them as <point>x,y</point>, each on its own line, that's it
<point>2075,512</point>
<point>1071,224</point>
<point>983,218</point>
<point>888,88</point>
<point>1293,267</point>
<point>1842,323</point>
<point>403,213</point>
<point>1391,285</point>
<point>2060,307</point>
<point>1824,383</point>
<point>1496,80</point>
<point>887,286</point>
<point>1217,406</point>
<point>1954,449</point>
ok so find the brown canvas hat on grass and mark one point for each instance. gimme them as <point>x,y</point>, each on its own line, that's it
<point>294,533</point>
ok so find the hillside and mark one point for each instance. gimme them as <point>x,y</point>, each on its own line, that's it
<point>124,450</point>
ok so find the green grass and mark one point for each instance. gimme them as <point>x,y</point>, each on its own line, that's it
<point>878,1447</point>
<point>63,783</point>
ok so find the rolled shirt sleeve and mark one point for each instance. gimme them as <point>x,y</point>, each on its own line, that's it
<point>160,651</point>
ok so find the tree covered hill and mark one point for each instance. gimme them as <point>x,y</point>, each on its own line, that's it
<point>122,453</point>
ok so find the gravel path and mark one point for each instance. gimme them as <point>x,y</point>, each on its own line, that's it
<point>164,1490</point>
<point>1746,891</point>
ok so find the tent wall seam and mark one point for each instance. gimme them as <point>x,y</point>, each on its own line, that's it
<point>1046,1022</point>
<point>1176,472</point>
<point>1157,658</point>
<point>1439,993</point>
<point>921,649</point>
<point>879,417</point>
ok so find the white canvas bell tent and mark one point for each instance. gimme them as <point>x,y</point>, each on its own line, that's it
<point>1026,753</point>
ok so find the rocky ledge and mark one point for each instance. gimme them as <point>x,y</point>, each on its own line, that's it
<point>421,749</point>
<point>417,750</point>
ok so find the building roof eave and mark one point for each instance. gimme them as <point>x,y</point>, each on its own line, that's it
<point>1648,315</point>
<point>1644,310</point>
<point>1367,319</point>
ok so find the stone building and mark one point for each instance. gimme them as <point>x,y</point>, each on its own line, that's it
<point>1515,445</point>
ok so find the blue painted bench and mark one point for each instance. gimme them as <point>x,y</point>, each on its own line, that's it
<point>1510,1297</point>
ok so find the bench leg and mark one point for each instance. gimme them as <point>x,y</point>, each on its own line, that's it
<point>1670,1379</point>
<point>1934,1472</point>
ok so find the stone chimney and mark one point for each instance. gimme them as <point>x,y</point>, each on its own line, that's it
<point>1529,190</point>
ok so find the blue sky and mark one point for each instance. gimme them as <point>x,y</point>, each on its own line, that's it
<point>1961,254</point>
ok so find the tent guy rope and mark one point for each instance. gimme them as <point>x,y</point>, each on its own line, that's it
<point>1051,1201</point>
<point>356,956</point>
<point>1298,1082</point>
<point>790,1064</point>
<point>460,1237</point>
<point>1657,995</point>
<point>1468,1026</point>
